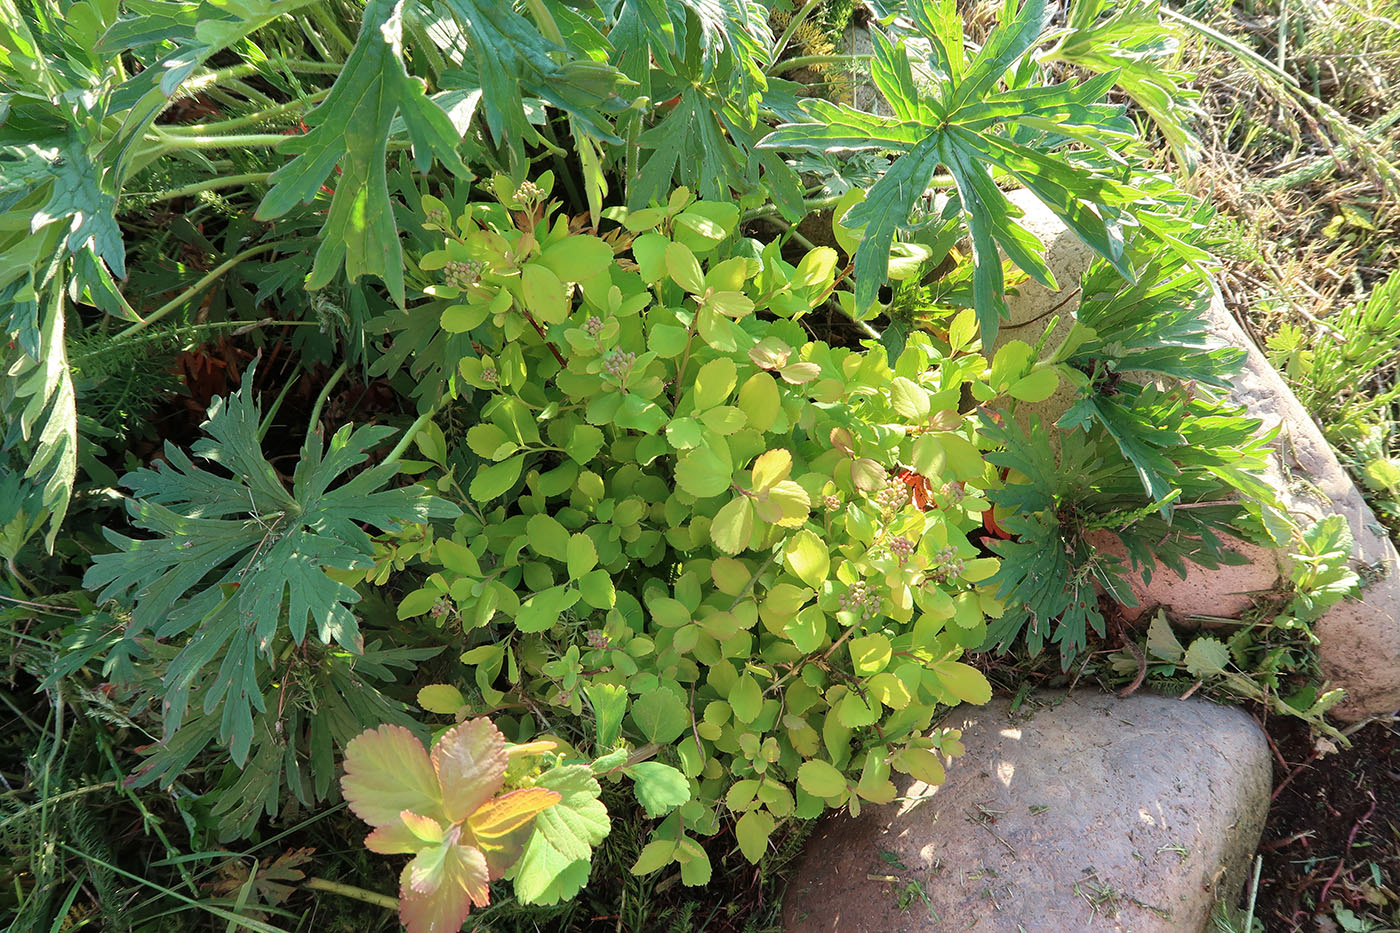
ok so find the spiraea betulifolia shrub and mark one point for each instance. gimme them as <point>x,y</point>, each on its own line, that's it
<point>688,528</point>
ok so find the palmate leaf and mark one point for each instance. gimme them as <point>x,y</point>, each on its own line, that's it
<point>350,129</point>
<point>707,138</point>
<point>294,744</point>
<point>73,128</point>
<point>233,556</point>
<point>39,388</point>
<point>1130,37</point>
<point>963,121</point>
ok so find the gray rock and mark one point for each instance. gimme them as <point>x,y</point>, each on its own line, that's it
<point>1359,646</point>
<point>1080,812</point>
<point>1359,639</point>
<point>1032,306</point>
<point>1221,593</point>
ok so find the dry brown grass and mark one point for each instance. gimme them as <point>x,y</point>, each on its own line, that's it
<point>1301,173</point>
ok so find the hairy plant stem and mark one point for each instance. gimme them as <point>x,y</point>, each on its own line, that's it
<point>350,891</point>
<point>250,119</point>
<point>197,287</point>
<point>408,435</point>
<point>806,61</point>
<point>166,143</point>
<point>798,18</point>
<point>332,28</point>
<point>213,184</point>
<point>314,421</point>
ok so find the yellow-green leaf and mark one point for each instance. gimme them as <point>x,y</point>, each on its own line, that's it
<point>820,778</point>
<point>443,699</point>
<point>733,526</point>
<point>808,558</point>
<point>1036,387</point>
<point>684,268</point>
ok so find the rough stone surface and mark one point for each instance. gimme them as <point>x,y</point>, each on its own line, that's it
<point>1033,305</point>
<point>1224,592</point>
<point>1359,640</point>
<point>1089,813</point>
<point>866,96</point>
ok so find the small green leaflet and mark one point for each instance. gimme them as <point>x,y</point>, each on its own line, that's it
<point>660,788</point>
<point>1207,656</point>
<point>555,863</point>
<point>351,129</point>
<point>230,555</point>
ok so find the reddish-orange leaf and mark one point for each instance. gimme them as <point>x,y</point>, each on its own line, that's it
<point>470,760</point>
<point>387,771</point>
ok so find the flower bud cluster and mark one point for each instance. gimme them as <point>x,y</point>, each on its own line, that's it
<point>529,193</point>
<point>901,547</point>
<point>461,274</point>
<point>947,565</point>
<point>593,326</point>
<point>892,497</point>
<point>954,492</point>
<point>438,217</point>
<point>832,503</point>
<point>618,362</point>
<point>862,600</point>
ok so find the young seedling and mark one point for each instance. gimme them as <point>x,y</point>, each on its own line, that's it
<point>442,807</point>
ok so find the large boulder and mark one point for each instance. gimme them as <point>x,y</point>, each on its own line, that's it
<point>1078,812</point>
<point>1359,640</point>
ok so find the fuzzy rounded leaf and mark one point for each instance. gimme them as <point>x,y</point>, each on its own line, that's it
<point>760,401</point>
<point>921,764</point>
<point>541,612</point>
<point>752,831</point>
<point>771,467</point>
<point>869,475</point>
<point>1207,656</point>
<point>746,699</point>
<point>387,771</point>
<point>544,295</point>
<point>661,715</point>
<point>703,473</point>
<point>1036,387</point>
<point>459,319</point>
<point>659,787</point>
<point>870,653</point>
<point>808,558</point>
<point>493,481</point>
<point>684,268</point>
<point>577,257</point>
<point>714,382</point>
<point>581,555</point>
<point>547,537</point>
<point>963,681</point>
<point>654,856</point>
<point>909,400</point>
